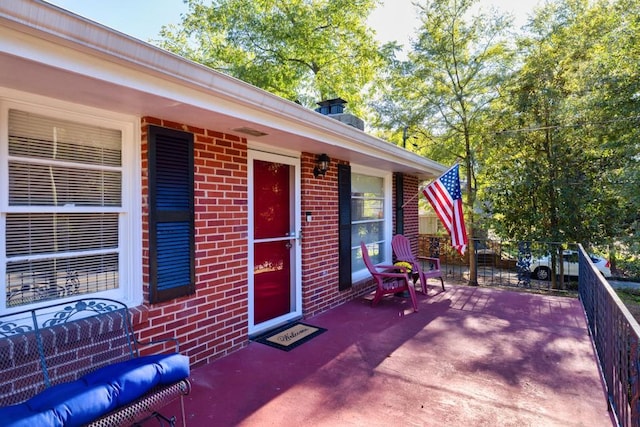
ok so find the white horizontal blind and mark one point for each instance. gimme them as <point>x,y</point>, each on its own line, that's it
<point>367,218</point>
<point>65,179</point>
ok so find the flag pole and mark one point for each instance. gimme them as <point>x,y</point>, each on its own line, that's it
<point>411,199</point>
<point>420,191</point>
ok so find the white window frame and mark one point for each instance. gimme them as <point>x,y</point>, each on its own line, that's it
<point>357,275</point>
<point>130,220</point>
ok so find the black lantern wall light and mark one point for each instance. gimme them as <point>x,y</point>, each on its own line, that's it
<point>322,165</point>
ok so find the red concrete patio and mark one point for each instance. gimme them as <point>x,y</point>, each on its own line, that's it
<point>470,357</point>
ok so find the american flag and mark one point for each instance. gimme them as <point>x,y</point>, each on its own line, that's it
<point>446,198</point>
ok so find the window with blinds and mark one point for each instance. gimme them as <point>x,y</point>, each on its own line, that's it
<point>368,218</point>
<point>64,203</point>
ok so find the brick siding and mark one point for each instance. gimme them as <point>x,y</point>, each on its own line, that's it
<point>410,210</point>
<point>411,220</point>
<point>320,241</point>
<point>214,322</point>
<point>71,350</point>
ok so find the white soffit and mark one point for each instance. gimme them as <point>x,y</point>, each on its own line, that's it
<point>52,52</point>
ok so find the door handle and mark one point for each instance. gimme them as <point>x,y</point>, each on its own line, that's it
<point>297,236</point>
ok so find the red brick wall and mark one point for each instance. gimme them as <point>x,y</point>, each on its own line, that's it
<point>70,349</point>
<point>320,241</point>
<point>410,211</point>
<point>213,322</point>
<point>411,220</point>
<point>319,237</point>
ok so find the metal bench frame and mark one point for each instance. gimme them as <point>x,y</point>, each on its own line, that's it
<point>61,342</point>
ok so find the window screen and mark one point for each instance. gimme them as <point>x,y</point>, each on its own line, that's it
<point>65,199</point>
<point>367,218</point>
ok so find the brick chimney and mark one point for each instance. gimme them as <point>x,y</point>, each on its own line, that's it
<point>334,108</point>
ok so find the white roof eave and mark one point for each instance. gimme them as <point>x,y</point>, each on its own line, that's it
<point>153,81</point>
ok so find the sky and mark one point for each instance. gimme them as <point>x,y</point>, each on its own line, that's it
<point>142,19</point>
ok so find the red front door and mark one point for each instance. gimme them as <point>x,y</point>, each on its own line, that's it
<point>274,238</point>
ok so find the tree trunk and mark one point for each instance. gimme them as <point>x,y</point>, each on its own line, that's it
<point>473,270</point>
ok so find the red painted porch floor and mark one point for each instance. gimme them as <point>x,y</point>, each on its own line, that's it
<point>470,357</point>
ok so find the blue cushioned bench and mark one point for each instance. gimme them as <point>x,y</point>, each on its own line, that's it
<point>78,363</point>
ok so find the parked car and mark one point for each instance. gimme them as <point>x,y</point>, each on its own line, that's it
<point>541,267</point>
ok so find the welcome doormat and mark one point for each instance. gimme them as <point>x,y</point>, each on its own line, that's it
<point>290,336</point>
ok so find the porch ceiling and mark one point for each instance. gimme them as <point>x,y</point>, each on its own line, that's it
<point>51,52</point>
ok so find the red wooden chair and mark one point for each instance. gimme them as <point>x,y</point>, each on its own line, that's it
<point>390,279</point>
<point>402,250</point>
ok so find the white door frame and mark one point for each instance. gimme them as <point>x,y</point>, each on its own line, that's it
<point>296,238</point>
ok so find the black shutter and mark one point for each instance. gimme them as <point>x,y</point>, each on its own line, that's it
<point>171,214</point>
<point>344,227</point>
<point>399,203</point>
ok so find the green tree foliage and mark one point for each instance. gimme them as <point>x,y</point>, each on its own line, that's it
<point>565,167</point>
<point>548,141</point>
<point>302,50</point>
<point>451,77</point>
<point>612,79</point>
